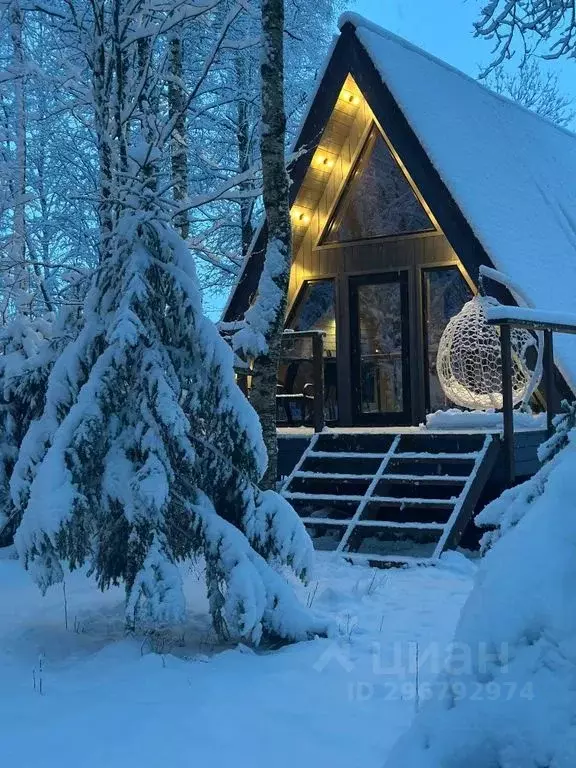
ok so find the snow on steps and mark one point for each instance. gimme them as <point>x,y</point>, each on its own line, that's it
<point>414,504</point>
<point>384,499</point>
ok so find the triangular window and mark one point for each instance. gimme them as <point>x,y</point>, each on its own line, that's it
<point>378,200</point>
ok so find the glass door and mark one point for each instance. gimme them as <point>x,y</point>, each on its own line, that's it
<point>380,351</point>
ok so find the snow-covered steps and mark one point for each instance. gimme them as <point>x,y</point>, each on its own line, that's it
<point>390,498</point>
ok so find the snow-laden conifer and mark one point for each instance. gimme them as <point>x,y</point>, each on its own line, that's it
<point>24,363</point>
<point>147,453</point>
<point>29,346</point>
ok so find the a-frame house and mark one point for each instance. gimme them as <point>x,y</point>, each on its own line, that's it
<point>409,176</point>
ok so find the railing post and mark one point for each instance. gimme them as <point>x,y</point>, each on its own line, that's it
<point>507,403</point>
<point>549,387</point>
<point>318,369</point>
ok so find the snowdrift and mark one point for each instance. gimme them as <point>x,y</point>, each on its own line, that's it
<point>507,698</point>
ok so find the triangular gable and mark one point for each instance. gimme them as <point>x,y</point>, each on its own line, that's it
<point>447,129</point>
<point>349,67</point>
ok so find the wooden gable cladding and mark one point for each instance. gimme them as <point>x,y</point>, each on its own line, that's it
<point>348,126</point>
<point>396,253</point>
<point>319,195</point>
<point>349,60</point>
<point>330,162</point>
<point>419,251</point>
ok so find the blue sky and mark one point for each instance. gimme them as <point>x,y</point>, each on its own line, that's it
<point>445,28</point>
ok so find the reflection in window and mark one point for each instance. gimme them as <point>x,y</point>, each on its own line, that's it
<point>378,200</point>
<point>315,310</point>
<point>381,347</point>
<point>445,293</point>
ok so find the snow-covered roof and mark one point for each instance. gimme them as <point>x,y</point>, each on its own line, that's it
<point>511,172</point>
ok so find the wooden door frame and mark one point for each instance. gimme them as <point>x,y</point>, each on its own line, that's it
<point>403,278</point>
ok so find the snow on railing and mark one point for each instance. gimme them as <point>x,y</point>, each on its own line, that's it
<point>535,319</point>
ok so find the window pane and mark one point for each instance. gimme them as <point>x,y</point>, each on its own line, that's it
<point>378,200</point>
<point>316,310</point>
<point>445,293</point>
<point>381,348</point>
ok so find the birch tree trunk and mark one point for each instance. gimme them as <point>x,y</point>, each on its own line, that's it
<point>178,144</point>
<point>18,255</point>
<point>120,83</point>
<point>101,96</point>
<point>243,129</point>
<point>270,305</point>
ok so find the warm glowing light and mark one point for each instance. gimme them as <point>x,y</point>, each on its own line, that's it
<point>325,162</point>
<point>345,168</point>
<point>300,216</point>
<point>350,97</point>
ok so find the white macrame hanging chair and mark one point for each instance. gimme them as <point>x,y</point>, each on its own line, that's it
<point>469,365</point>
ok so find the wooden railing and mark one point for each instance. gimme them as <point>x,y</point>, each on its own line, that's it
<point>533,320</point>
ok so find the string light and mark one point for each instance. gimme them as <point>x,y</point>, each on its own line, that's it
<point>350,97</point>
<point>325,162</point>
<point>300,217</point>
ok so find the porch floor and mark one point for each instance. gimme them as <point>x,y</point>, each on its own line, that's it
<point>440,422</point>
<point>285,432</point>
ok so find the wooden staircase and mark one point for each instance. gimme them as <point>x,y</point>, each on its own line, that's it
<point>390,499</point>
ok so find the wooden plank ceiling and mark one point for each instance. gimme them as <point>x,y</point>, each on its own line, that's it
<point>329,150</point>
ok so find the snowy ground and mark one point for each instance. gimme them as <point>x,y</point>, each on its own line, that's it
<point>122,702</point>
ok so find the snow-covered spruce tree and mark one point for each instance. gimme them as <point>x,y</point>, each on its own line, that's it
<point>507,698</point>
<point>19,341</point>
<point>28,349</point>
<point>30,346</point>
<point>147,453</point>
